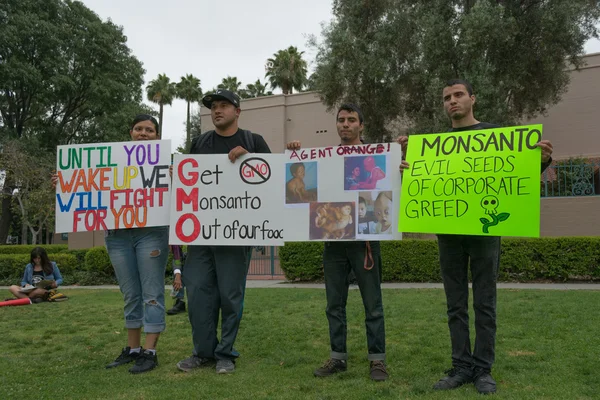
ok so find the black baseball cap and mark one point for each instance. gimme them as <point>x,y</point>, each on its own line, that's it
<point>221,94</point>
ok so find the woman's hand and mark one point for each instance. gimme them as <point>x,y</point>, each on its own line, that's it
<point>54,180</point>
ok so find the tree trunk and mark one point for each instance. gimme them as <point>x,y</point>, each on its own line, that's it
<point>34,235</point>
<point>6,219</point>
<point>24,232</point>
<point>188,129</point>
<point>48,235</point>
<point>160,120</point>
<point>40,233</point>
<point>7,214</point>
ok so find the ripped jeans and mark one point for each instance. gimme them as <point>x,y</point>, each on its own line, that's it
<point>139,257</point>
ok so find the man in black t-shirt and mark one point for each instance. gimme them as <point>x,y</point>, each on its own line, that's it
<point>482,254</point>
<point>215,276</point>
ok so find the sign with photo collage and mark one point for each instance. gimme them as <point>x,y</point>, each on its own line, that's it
<point>343,193</point>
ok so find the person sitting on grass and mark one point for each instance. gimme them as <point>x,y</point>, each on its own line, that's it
<point>40,273</point>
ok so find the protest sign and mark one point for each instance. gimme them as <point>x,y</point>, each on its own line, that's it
<point>112,185</point>
<point>476,182</point>
<point>343,193</point>
<point>217,202</point>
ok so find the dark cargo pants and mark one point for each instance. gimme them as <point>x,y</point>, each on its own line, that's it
<point>215,280</point>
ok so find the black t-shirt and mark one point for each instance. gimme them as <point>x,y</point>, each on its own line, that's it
<point>37,277</point>
<point>486,125</point>
<point>477,126</point>
<point>224,144</point>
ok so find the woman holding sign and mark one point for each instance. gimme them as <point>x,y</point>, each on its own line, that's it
<point>139,257</point>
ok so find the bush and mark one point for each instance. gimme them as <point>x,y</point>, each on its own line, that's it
<point>97,260</point>
<point>27,248</point>
<point>522,260</point>
<point>12,266</point>
<point>302,261</point>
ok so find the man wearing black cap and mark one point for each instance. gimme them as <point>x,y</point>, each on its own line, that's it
<point>215,276</point>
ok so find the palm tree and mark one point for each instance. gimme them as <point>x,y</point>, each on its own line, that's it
<point>230,83</point>
<point>287,70</point>
<point>257,89</point>
<point>161,91</point>
<point>188,89</point>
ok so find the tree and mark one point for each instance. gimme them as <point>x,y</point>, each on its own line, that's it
<point>393,57</point>
<point>62,70</point>
<point>162,92</point>
<point>189,90</point>
<point>195,131</point>
<point>287,70</point>
<point>30,168</point>
<point>256,89</point>
<point>230,83</point>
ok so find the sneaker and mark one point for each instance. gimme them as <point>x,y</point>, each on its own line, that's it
<point>124,358</point>
<point>331,366</point>
<point>145,362</point>
<point>454,378</point>
<point>194,362</point>
<point>484,383</point>
<point>378,371</point>
<point>177,308</point>
<point>225,366</point>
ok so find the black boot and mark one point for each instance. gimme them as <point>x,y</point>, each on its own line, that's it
<point>177,308</point>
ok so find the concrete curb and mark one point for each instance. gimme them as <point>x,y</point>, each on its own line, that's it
<point>254,284</point>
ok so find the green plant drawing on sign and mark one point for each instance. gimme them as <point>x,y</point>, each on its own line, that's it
<point>490,205</point>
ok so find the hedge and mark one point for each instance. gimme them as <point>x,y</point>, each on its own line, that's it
<point>522,260</point>
<point>12,266</point>
<point>27,248</point>
<point>89,266</point>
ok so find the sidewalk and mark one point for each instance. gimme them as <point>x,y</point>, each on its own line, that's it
<point>282,284</point>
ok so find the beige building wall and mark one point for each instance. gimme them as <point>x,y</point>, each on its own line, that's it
<point>570,216</point>
<point>572,124</point>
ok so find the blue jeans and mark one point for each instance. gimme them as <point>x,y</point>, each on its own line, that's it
<point>339,258</point>
<point>139,257</point>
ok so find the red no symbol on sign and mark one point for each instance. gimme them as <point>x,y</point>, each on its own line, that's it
<point>255,171</point>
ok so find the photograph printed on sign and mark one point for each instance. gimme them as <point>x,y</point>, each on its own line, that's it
<point>332,221</point>
<point>366,173</point>
<point>375,213</point>
<point>301,182</point>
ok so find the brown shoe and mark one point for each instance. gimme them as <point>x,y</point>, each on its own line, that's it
<point>378,371</point>
<point>331,366</point>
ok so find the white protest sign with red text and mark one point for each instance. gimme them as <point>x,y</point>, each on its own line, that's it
<point>217,202</point>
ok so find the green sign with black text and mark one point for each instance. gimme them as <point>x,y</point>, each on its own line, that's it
<point>478,182</point>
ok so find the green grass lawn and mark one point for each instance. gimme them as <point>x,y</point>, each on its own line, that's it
<point>548,347</point>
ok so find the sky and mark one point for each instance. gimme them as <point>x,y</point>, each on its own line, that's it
<point>213,39</point>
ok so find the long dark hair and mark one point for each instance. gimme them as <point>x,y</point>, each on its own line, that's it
<point>46,264</point>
